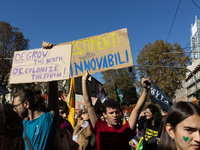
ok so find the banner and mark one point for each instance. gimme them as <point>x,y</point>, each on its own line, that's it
<point>158,97</point>
<point>100,53</point>
<point>41,65</point>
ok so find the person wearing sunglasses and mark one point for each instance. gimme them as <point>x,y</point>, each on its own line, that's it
<point>82,133</point>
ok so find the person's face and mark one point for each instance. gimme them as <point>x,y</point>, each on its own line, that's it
<point>63,114</point>
<point>81,120</point>
<point>187,134</point>
<point>19,108</point>
<point>78,111</point>
<point>112,116</point>
<point>149,115</point>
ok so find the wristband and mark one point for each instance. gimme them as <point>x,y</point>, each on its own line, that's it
<point>84,80</point>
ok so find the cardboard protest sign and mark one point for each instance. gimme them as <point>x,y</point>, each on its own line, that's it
<point>41,65</point>
<point>79,99</point>
<point>100,53</point>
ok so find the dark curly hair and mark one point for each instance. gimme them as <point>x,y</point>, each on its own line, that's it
<point>110,103</point>
<point>36,100</point>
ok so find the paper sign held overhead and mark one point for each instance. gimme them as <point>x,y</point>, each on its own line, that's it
<point>100,53</point>
<point>41,65</point>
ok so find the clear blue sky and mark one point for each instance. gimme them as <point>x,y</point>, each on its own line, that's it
<point>59,21</point>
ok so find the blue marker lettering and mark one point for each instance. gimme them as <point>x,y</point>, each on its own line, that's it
<point>99,64</point>
<point>22,56</point>
<point>105,63</point>
<point>59,74</point>
<point>93,64</point>
<point>39,54</point>
<point>15,70</point>
<point>71,70</point>
<point>16,57</point>
<point>87,66</point>
<point>79,67</point>
<point>110,60</point>
<point>120,62</point>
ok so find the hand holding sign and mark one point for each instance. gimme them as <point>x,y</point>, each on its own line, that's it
<point>46,45</point>
<point>41,65</point>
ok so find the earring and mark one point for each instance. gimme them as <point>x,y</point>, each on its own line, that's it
<point>171,137</point>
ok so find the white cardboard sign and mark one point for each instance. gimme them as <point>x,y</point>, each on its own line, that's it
<point>41,65</point>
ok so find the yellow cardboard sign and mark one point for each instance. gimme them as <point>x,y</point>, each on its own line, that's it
<point>100,53</point>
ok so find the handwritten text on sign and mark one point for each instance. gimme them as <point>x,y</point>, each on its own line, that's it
<point>41,65</point>
<point>100,53</point>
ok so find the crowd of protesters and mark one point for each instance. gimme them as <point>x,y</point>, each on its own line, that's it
<point>29,124</point>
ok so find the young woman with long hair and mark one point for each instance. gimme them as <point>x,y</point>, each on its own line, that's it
<point>181,129</point>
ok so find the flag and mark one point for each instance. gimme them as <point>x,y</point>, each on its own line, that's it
<point>182,100</point>
<point>71,116</point>
<point>120,94</point>
<point>194,101</point>
<point>102,94</point>
<point>158,97</point>
<point>44,96</point>
<point>124,120</point>
<point>63,95</point>
<point>140,144</point>
<point>3,89</point>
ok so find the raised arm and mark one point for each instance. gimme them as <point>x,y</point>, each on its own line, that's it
<point>88,101</point>
<point>53,97</point>
<point>136,111</point>
<point>53,88</point>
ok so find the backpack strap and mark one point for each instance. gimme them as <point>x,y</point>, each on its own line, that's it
<point>27,140</point>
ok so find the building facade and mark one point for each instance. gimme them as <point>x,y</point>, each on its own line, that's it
<point>191,85</point>
<point>195,39</point>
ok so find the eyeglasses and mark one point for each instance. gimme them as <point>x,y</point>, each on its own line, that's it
<point>15,106</point>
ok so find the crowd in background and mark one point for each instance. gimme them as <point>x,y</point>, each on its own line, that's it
<point>30,124</point>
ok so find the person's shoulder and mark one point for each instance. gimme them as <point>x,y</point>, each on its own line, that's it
<point>24,121</point>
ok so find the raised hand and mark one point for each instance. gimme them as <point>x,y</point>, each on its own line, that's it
<point>146,83</point>
<point>46,45</point>
<point>86,76</point>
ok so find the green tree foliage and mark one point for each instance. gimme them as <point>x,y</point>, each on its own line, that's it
<point>168,79</point>
<point>11,40</point>
<point>124,79</point>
